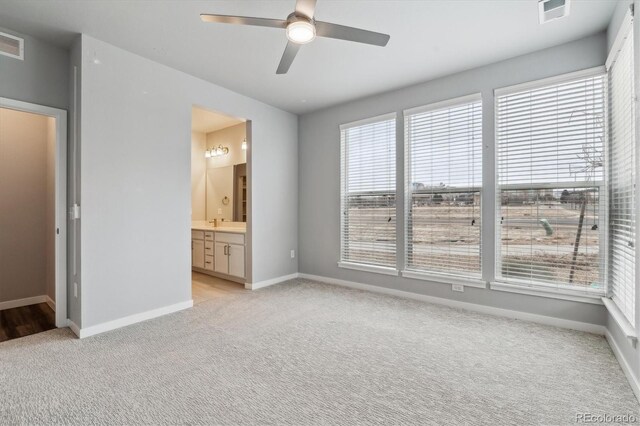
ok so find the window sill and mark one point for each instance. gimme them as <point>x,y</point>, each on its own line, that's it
<point>444,278</point>
<point>624,324</point>
<point>553,293</point>
<point>368,268</point>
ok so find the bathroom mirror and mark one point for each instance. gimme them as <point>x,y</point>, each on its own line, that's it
<point>226,193</point>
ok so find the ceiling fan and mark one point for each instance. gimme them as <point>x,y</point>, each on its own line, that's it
<point>301,28</point>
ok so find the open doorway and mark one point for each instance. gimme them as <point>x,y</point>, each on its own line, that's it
<point>219,204</point>
<point>33,295</point>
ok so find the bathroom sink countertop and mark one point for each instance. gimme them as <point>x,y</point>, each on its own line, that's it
<point>204,226</point>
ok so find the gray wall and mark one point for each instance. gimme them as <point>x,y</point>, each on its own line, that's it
<point>74,289</point>
<point>135,182</point>
<point>42,78</point>
<point>23,197</point>
<point>616,20</point>
<point>319,161</point>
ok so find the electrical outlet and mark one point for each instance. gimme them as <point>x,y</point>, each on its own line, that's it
<point>75,289</point>
<point>457,287</point>
<point>293,254</point>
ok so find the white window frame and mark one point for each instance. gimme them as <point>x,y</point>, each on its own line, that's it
<point>346,264</point>
<point>557,291</point>
<point>627,327</point>
<point>436,276</point>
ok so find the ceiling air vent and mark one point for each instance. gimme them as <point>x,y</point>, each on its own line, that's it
<point>550,10</point>
<point>11,46</point>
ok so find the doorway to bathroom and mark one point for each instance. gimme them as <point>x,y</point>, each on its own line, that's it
<point>33,178</point>
<point>219,204</point>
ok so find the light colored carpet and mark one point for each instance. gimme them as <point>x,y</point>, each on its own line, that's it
<point>308,353</point>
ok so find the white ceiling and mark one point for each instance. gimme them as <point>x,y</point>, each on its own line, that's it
<point>429,38</point>
<point>205,121</point>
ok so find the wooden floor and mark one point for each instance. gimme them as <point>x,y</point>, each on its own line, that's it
<point>26,320</point>
<point>205,287</point>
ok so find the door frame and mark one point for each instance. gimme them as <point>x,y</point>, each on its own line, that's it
<point>60,117</point>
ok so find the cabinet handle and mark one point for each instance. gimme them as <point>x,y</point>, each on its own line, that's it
<point>228,250</point>
<point>225,250</point>
<point>208,262</point>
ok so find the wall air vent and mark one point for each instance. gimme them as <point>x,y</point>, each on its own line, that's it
<point>550,10</point>
<point>11,46</point>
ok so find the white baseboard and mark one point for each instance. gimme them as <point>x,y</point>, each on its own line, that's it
<point>490,310</point>
<point>51,303</point>
<point>131,319</point>
<point>10,304</point>
<point>626,369</point>
<point>272,281</point>
<point>74,327</point>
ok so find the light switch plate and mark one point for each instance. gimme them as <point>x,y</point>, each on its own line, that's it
<point>293,254</point>
<point>457,287</point>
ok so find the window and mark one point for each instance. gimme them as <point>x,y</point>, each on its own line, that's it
<point>368,192</point>
<point>551,200</point>
<point>444,178</point>
<point>622,178</point>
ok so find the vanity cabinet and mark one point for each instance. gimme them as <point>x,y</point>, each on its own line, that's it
<point>218,252</point>
<point>197,249</point>
<point>222,261</point>
<point>236,260</point>
<point>197,253</point>
<point>230,253</point>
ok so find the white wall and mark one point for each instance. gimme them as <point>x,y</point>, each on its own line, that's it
<point>198,173</point>
<point>23,197</point>
<point>135,182</point>
<point>319,176</point>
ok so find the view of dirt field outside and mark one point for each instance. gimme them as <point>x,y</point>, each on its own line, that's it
<point>539,237</point>
<point>550,188</point>
<point>538,233</point>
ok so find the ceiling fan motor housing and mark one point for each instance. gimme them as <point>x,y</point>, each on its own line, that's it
<point>300,29</point>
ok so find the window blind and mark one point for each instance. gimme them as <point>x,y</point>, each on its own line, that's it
<point>550,160</point>
<point>444,170</point>
<point>368,192</point>
<point>622,180</point>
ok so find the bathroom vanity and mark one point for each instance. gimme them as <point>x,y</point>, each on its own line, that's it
<point>219,251</point>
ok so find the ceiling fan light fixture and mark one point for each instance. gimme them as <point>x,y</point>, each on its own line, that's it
<point>301,31</point>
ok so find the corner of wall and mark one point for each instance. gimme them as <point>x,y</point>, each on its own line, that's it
<point>74,297</point>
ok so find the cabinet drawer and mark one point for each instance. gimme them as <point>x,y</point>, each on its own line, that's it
<point>208,236</point>
<point>227,237</point>
<point>208,248</point>
<point>208,262</point>
<point>197,235</point>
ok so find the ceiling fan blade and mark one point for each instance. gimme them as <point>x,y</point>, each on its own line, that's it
<point>288,56</point>
<point>306,7</point>
<point>326,29</point>
<point>244,20</point>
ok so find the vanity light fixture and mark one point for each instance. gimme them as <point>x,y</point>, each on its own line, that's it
<point>244,144</point>
<point>216,152</point>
